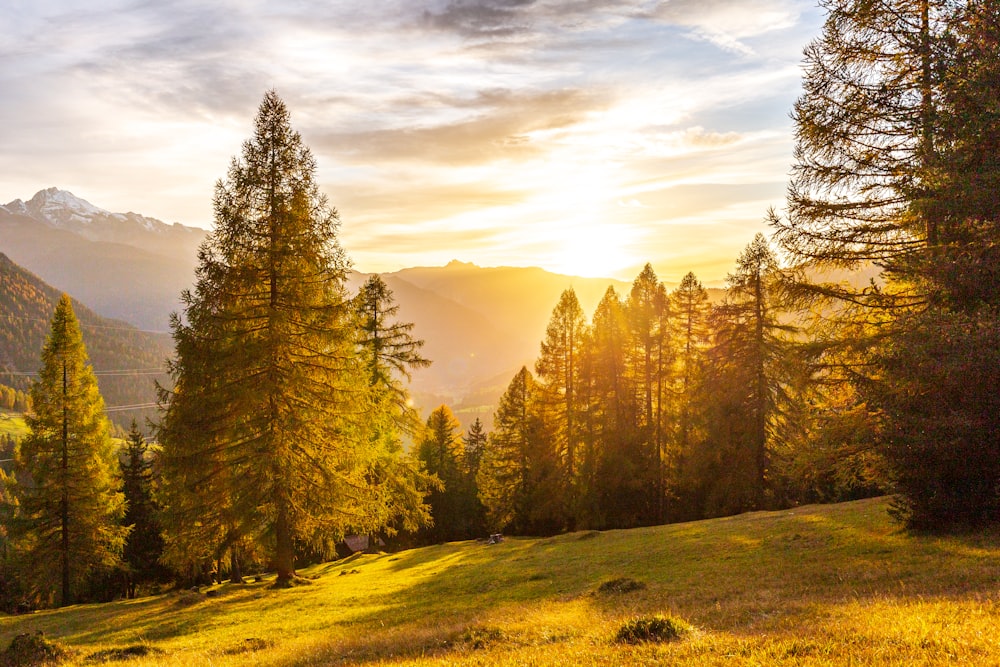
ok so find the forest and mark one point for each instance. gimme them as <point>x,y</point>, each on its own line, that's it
<point>856,352</point>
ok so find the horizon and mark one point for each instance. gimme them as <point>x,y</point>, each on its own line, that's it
<point>584,139</point>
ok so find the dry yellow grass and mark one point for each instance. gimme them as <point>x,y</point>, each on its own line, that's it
<point>818,585</point>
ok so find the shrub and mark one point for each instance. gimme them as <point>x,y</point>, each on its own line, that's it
<point>651,629</point>
<point>26,650</point>
<point>622,585</point>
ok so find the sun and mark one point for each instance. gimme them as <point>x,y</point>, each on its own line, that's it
<point>591,251</point>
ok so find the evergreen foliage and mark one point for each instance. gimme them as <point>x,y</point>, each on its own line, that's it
<point>144,543</point>
<point>261,435</point>
<point>454,506</point>
<point>67,527</point>
<point>896,131</point>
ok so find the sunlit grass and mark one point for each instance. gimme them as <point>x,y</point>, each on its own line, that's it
<point>12,424</point>
<point>819,585</point>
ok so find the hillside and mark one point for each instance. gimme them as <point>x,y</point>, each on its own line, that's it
<point>126,360</point>
<point>817,585</point>
<point>480,324</point>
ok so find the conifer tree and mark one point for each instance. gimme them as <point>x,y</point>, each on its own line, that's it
<point>520,481</point>
<point>69,512</point>
<point>650,355</point>
<point>145,540</point>
<point>751,360</point>
<point>388,354</point>
<point>558,368</point>
<point>454,504</point>
<point>258,434</point>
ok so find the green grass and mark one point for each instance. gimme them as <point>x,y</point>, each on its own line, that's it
<point>818,585</point>
<point>12,423</point>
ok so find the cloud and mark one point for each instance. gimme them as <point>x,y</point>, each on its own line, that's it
<point>498,128</point>
<point>728,23</point>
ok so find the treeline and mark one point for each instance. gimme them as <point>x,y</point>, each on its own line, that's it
<point>662,407</point>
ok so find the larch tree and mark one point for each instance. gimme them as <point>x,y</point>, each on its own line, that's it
<point>69,513</point>
<point>260,434</point>
<point>752,355</point>
<point>520,480</point>
<point>558,369</point>
<point>894,166</point>
<point>690,311</point>
<point>442,451</point>
<point>389,353</point>
<point>650,357</point>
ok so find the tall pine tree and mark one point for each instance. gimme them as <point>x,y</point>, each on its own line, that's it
<point>69,512</point>
<point>258,434</point>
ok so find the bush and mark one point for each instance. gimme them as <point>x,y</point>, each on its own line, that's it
<point>651,629</point>
<point>27,650</point>
<point>622,585</point>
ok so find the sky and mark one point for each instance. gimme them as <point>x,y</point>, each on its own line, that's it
<point>587,137</point>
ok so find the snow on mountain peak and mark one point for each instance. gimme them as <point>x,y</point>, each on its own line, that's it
<point>61,206</point>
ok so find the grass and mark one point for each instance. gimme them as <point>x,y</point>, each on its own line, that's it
<point>12,423</point>
<point>817,585</point>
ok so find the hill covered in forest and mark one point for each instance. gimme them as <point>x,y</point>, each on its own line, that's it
<point>125,359</point>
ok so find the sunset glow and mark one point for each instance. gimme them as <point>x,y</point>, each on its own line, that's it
<point>585,138</point>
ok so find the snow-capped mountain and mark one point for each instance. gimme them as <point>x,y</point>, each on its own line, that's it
<point>124,265</point>
<point>62,209</point>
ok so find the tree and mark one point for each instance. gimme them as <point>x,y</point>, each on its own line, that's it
<point>69,512</point>
<point>558,367</point>
<point>623,463</point>
<point>390,352</point>
<point>751,359</point>
<point>689,310</point>
<point>650,355</point>
<point>261,433</point>
<point>442,450</point>
<point>867,126</point>
<point>896,164</point>
<point>144,543</point>
<point>520,481</point>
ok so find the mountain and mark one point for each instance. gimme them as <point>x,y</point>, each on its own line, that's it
<point>126,360</point>
<point>125,265</point>
<point>480,324</point>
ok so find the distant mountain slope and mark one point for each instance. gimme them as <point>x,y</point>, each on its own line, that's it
<point>126,360</point>
<point>125,266</point>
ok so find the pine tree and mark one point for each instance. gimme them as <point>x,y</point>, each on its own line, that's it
<point>442,450</point>
<point>144,544</point>
<point>558,368</point>
<point>69,512</point>
<point>520,480</point>
<point>751,365</point>
<point>258,434</point>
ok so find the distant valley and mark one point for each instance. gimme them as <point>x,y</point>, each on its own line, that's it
<point>480,324</point>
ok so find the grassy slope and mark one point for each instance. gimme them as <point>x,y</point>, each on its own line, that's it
<point>836,584</point>
<point>12,423</point>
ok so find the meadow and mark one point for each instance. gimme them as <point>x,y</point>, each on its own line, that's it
<point>816,585</point>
